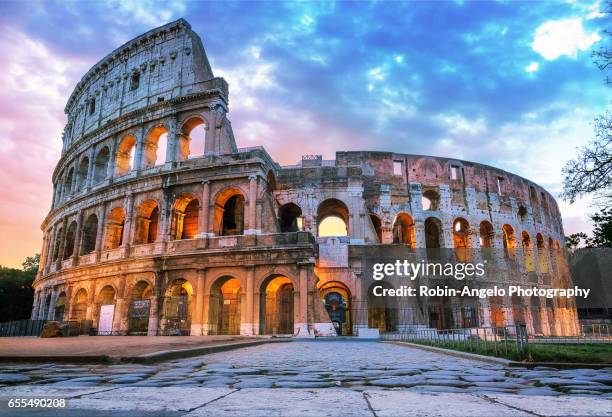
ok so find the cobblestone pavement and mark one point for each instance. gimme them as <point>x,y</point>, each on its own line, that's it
<point>315,378</point>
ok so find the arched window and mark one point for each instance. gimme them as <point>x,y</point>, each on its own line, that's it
<point>126,152</point>
<point>403,230</point>
<point>68,183</point>
<point>147,222</point>
<point>290,216</point>
<point>114,228</point>
<point>81,182</point>
<point>90,233</point>
<point>462,239</point>
<point>70,236</point>
<point>229,213</point>
<point>430,200</point>
<point>486,234</point>
<point>155,147</point>
<point>509,240</point>
<point>101,165</point>
<point>193,139</point>
<point>528,252</point>
<point>224,306</point>
<point>58,244</point>
<point>542,253</point>
<point>185,222</point>
<point>333,218</point>
<point>433,229</point>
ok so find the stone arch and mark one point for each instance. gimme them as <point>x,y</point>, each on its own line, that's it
<point>155,146</point>
<point>89,234</point>
<point>115,224</point>
<point>433,233</point>
<point>58,243</point>
<point>542,253</point>
<point>194,131</point>
<point>487,235</point>
<point>528,252</point>
<point>229,212</point>
<point>430,201</point>
<point>139,309</point>
<point>382,310</point>
<point>427,168</point>
<point>101,165</point>
<point>70,240</point>
<point>147,222</point>
<point>462,240</point>
<point>82,172</point>
<point>338,303</point>
<point>290,217</point>
<point>177,307</point>
<point>403,230</point>
<point>68,182</point>
<point>126,153</point>
<point>105,300</point>
<point>224,316</point>
<point>276,305</point>
<point>60,307</point>
<point>509,239</point>
<point>332,218</point>
<point>185,216</point>
<point>377,225</point>
<point>79,306</point>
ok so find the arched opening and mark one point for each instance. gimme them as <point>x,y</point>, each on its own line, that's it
<point>509,240</point>
<point>536,314</point>
<point>462,239</point>
<point>528,252</point>
<point>147,222</point>
<point>433,229</point>
<point>229,213</point>
<point>225,300</point>
<point>101,165</point>
<point>276,306</point>
<point>430,200</point>
<point>70,236</point>
<point>90,234</point>
<point>487,235</point>
<point>58,244</point>
<point>496,306</point>
<point>46,312</point>
<point>185,217</point>
<point>333,218</point>
<point>439,315</point>
<point>60,307</point>
<point>140,308</point>
<point>124,160</point>
<point>377,225</point>
<point>518,310</point>
<point>403,230</point>
<point>155,147</point>
<point>290,216</point>
<point>106,312</point>
<point>81,179</point>
<point>382,311</point>
<point>337,299</point>
<point>542,253</point>
<point>68,183</point>
<point>78,312</point>
<point>177,308</point>
<point>115,222</point>
<point>193,139</point>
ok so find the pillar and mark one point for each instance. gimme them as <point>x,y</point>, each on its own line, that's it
<point>90,164</point>
<point>301,327</point>
<point>204,208</point>
<point>129,220</point>
<point>247,324</point>
<point>51,308</point>
<point>252,214</point>
<point>196,322</point>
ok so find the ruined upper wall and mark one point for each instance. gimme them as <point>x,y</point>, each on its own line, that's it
<point>162,64</point>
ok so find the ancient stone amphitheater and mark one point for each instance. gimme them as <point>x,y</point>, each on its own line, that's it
<point>158,229</point>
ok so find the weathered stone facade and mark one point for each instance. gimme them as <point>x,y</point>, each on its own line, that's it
<point>227,241</point>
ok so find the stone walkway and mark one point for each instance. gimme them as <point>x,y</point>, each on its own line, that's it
<point>367,377</point>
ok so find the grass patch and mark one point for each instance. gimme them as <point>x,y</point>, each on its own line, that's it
<point>566,352</point>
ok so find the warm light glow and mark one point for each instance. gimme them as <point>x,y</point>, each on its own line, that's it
<point>426,203</point>
<point>332,226</point>
<point>300,223</point>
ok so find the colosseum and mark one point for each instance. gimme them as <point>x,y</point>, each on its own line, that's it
<point>161,225</point>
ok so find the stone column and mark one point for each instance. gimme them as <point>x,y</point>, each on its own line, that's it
<point>247,325</point>
<point>110,173</point>
<point>100,231</point>
<point>196,322</point>
<point>51,309</point>
<point>204,208</point>
<point>41,304</point>
<point>252,213</point>
<point>90,164</point>
<point>119,316</point>
<point>128,227</point>
<point>77,237</point>
<point>301,327</point>
<point>63,242</point>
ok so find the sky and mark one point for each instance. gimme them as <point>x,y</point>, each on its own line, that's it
<point>510,84</point>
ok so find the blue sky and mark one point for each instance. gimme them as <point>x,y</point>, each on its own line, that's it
<point>509,84</point>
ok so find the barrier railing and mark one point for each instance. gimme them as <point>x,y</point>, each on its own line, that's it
<point>590,333</point>
<point>25,327</point>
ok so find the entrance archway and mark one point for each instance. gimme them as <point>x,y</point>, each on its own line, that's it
<point>337,299</point>
<point>276,306</point>
<point>79,309</point>
<point>106,312</point>
<point>140,307</point>
<point>224,316</point>
<point>382,311</point>
<point>177,308</point>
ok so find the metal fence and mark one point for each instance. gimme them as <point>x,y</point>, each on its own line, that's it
<point>25,327</point>
<point>590,333</point>
<point>506,341</point>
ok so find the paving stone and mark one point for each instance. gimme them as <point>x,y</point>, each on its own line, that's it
<point>14,378</point>
<point>481,378</point>
<point>125,380</point>
<point>538,391</point>
<point>399,381</point>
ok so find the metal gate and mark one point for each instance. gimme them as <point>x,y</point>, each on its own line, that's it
<point>139,317</point>
<point>176,315</point>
